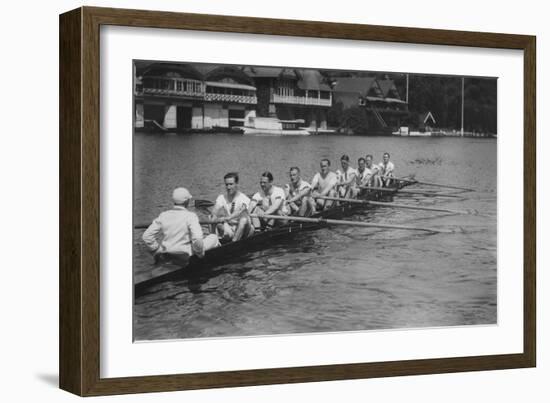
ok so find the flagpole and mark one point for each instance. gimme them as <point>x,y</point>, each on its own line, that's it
<point>462,114</point>
<point>407,95</point>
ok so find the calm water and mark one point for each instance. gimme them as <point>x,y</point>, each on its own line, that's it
<point>333,279</point>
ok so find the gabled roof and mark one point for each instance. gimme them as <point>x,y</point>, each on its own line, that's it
<point>205,68</point>
<point>389,90</point>
<point>358,85</point>
<point>269,72</point>
<point>423,117</point>
<point>169,69</point>
<point>311,80</point>
<point>222,72</point>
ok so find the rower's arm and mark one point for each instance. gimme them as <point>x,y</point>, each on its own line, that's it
<point>252,205</point>
<point>275,207</point>
<point>151,234</point>
<point>315,182</point>
<point>216,210</point>
<point>238,211</point>
<point>349,181</point>
<point>301,194</point>
<point>331,186</point>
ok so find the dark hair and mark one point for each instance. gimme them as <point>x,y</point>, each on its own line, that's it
<point>388,154</point>
<point>294,169</point>
<point>327,160</point>
<point>233,175</point>
<point>344,157</point>
<point>361,159</point>
<point>268,175</point>
<point>369,155</point>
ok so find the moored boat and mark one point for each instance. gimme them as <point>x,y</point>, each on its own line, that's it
<point>276,127</point>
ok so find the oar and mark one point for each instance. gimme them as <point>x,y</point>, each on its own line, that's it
<point>396,205</point>
<point>352,223</point>
<point>201,203</point>
<point>428,183</point>
<point>410,191</point>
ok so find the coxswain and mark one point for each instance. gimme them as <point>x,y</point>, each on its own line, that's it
<point>346,179</point>
<point>324,184</point>
<point>230,212</point>
<point>297,194</point>
<point>386,169</point>
<point>176,234</point>
<point>269,200</point>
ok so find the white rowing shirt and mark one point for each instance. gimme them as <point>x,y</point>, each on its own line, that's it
<point>269,200</point>
<point>293,191</point>
<point>362,176</point>
<point>344,176</point>
<point>386,169</point>
<point>239,202</point>
<point>322,184</point>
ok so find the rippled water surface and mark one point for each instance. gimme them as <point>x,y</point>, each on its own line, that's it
<point>332,279</point>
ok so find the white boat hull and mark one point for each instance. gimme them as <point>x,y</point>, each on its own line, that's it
<point>251,131</point>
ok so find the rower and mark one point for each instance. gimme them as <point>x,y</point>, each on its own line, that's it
<point>346,179</point>
<point>361,172</point>
<point>297,194</point>
<point>386,168</point>
<point>269,200</point>
<point>176,234</point>
<point>324,184</point>
<point>372,170</point>
<point>230,211</point>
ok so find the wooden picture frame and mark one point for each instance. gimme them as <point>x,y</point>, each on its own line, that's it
<point>79,346</point>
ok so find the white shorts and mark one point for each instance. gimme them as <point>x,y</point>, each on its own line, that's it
<point>210,242</point>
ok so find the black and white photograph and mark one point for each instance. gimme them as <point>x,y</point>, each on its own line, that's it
<point>276,200</point>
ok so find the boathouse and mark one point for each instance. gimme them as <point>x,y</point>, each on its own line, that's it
<point>380,99</point>
<point>353,91</point>
<point>185,97</point>
<point>393,109</point>
<point>168,96</point>
<point>230,97</point>
<point>290,98</point>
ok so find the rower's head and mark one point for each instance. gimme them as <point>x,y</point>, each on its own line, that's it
<point>386,158</point>
<point>368,160</point>
<point>344,161</point>
<point>294,174</point>
<point>181,197</point>
<point>325,166</point>
<point>361,163</point>
<point>231,181</point>
<point>266,181</point>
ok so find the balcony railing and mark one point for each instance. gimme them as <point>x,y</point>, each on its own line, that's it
<point>291,99</point>
<point>239,99</point>
<point>159,91</point>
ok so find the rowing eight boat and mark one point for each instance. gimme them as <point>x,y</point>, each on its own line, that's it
<point>183,266</point>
